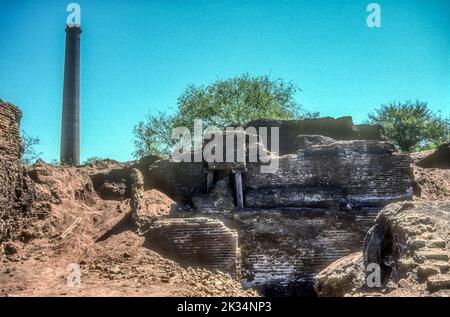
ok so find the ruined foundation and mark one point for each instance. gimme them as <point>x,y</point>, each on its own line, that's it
<point>316,208</point>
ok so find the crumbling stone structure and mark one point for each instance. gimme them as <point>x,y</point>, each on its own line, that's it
<point>333,178</point>
<point>409,241</point>
<point>197,242</point>
<point>341,129</point>
<point>16,189</point>
<point>282,249</point>
<point>344,174</point>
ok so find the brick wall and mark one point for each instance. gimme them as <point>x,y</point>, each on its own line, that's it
<point>16,189</point>
<point>282,250</point>
<point>359,173</point>
<point>196,242</point>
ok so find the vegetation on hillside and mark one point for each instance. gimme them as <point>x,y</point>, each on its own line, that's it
<point>412,126</point>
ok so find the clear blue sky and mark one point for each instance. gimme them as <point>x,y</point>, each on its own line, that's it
<point>138,56</point>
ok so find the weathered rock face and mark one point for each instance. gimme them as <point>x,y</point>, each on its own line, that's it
<point>338,129</point>
<point>16,189</point>
<point>410,243</point>
<point>196,242</point>
<point>438,159</point>
<point>348,174</point>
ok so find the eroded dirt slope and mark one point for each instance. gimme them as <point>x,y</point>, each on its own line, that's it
<point>76,227</point>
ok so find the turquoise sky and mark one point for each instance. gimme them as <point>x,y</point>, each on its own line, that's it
<point>138,56</point>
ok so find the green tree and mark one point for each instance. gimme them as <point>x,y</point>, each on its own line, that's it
<point>223,103</point>
<point>153,136</point>
<point>412,126</point>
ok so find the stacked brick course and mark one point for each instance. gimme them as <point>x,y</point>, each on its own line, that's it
<point>16,189</point>
<point>344,174</point>
<point>197,242</point>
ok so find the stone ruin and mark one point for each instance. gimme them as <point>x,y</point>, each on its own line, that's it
<point>333,179</point>
<point>410,243</point>
<point>273,231</point>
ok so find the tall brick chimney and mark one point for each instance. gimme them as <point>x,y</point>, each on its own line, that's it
<point>70,127</point>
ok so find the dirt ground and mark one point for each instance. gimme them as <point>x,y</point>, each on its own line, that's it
<point>74,227</point>
<point>430,183</point>
<point>117,266</point>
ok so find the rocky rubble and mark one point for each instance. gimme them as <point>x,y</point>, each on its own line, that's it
<point>410,243</point>
<point>431,183</point>
<point>341,277</point>
<point>219,200</point>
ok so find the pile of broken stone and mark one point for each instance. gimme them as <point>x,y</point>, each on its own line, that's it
<point>410,244</point>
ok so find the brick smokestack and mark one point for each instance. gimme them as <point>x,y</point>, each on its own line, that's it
<point>70,127</point>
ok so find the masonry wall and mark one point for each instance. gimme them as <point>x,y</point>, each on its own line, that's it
<point>282,250</point>
<point>180,181</point>
<point>345,174</point>
<point>16,189</point>
<point>10,142</point>
<point>338,129</point>
<point>197,242</point>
